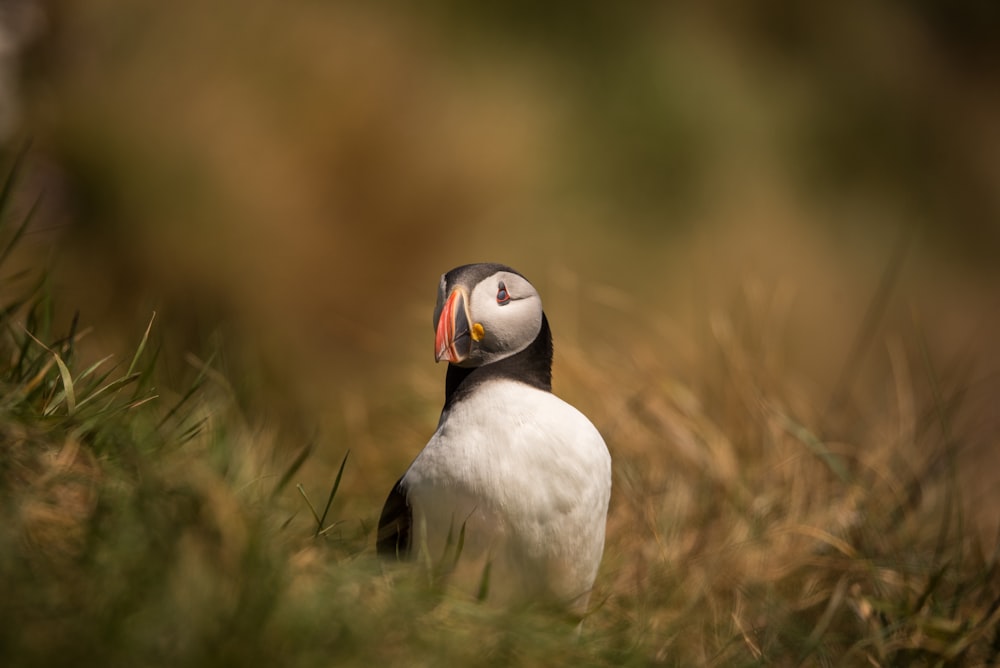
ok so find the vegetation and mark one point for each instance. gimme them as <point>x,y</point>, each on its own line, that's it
<point>145,526</point>
<point>766,236</point>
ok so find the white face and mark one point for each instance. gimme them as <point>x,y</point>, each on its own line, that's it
<point>497,317</point>
<point>510,311</point>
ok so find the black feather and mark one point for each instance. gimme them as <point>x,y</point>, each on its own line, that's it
<point>532,366</point>
<point>393,538</point>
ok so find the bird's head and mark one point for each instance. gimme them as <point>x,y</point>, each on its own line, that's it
<point>484,313</point>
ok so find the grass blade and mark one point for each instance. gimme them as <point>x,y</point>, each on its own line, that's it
<point>93,367</point>
<point>112,386</point>
<point>6,196</point>
<point>142,346</point>
<point>300,458</point>
<point>818,448</point>
<point>461,544</point>
<point>192,390</point>
<point>333,492</point>
<point>64,373</point>
<point>8,183</point>
<point>302,491</point>
<point>870,322</point>
<point>952,506</point>
<point>19,232</point>
<point>484,583</point>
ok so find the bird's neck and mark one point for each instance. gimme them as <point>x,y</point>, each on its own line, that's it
<point>532,366</point>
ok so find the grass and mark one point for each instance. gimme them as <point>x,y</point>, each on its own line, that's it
<point>150,526</point>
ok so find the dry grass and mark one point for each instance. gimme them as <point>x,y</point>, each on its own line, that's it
<point>713,193</point>
<point>748,526</point>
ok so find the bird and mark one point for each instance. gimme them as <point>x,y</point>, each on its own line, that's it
<point>515,482</point>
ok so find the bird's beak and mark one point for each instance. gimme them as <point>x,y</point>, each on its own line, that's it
<point>452,337</point>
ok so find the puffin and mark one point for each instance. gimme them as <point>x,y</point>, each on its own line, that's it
<point>509,498</point>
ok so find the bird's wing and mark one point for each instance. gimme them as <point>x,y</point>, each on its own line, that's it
<point>393,538</point>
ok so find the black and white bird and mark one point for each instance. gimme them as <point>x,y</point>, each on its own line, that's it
<point>521,475</point>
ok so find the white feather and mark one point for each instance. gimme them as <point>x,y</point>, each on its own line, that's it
<point>530,478</point>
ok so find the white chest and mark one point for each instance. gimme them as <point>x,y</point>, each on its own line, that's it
<point>527,475</point>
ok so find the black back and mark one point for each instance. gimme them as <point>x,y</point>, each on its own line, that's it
<point>393,538</point>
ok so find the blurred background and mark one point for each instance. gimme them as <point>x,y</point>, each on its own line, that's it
<point>286,181</point>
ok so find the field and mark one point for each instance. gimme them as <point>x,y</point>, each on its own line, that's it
<point>771,280</point>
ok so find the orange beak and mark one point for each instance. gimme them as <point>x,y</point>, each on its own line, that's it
<point>452,337</point>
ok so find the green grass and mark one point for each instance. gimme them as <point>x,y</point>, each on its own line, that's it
<point>147,525</point>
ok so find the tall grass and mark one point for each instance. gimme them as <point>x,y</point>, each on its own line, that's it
<point>150,526</point>
<point>763,540</point>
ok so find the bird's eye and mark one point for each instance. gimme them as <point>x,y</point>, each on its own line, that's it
<point>502,295</point>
